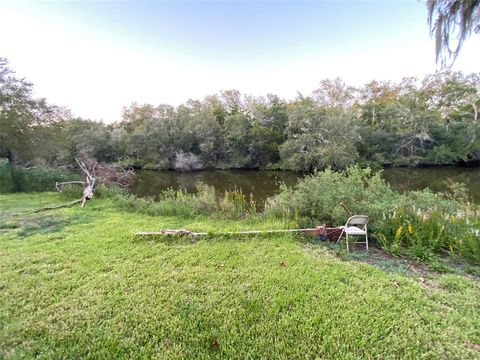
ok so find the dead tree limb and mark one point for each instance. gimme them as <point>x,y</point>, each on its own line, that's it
<point>90,182</point>
<point>246,232</point>
<point>61,184</point>
<point>346,209</point>
<point>54,207</point>
<point>87,191</point>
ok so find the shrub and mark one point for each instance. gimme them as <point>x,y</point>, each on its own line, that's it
<point>22,179</point>
<point>6,180</point>
<point>234,204</point>
<point>170,202</point>
<point>420,223</point>
<point>206,198</point>
<point>320,196</point>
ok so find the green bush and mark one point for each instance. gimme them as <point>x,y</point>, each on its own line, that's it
<point>320,196</point>
<point>234,204</point>
<point>418,223</point>
<point>171,202</point>
<point>6,180</point>
<point>22,179</point>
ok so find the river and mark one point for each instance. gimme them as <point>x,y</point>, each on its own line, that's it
<point>263,184</point>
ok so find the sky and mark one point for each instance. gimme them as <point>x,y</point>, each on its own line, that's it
<point>97,57</point>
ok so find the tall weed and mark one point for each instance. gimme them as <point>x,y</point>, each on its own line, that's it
<point>433,231</point>
<point>421,223</point>
<point>205,201</point>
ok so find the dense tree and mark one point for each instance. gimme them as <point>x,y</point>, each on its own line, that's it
<point>207,137</point>
<point>456,99</point>
<point>91,139</point>
<point>22,117</point>
<point>412,122</point>
<point>237,140</point>
<point>319,137</point>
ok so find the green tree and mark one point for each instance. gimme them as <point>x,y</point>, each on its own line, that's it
<point>91,139</point>
<point>207,137</point>
<point>238,140</point>
<point>378,138</point>
<point>456,98</point>
<point>319,137</point>
<point>268,118</point>
<point>22,117</point>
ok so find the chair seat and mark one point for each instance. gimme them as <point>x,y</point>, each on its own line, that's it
<point>350,229</point>
<point>353,230</point>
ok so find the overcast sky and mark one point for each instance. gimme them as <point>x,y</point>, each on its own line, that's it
<point>96,57</point>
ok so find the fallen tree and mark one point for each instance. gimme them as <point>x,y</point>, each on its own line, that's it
<point>107,175</point>
<point>88,183</point>
<point>54,207</point>
<point>322,232</point>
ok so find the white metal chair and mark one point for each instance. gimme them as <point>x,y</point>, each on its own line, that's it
<point>350,228</point>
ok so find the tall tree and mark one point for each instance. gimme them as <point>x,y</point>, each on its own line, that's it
<point>319,137</point>
<point>21,115</point>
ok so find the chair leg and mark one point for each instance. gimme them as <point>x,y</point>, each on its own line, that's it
<point>340,236</point>
<point>366,236</point>
<point>347,241</point>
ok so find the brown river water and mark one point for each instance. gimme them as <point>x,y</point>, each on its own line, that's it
<point>263,184</point>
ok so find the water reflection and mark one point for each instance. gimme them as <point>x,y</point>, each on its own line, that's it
<point>263,184</point>
<point>403,179</point>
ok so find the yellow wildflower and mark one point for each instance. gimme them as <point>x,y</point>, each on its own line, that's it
<point>399,232</point>
<point>410,228</point>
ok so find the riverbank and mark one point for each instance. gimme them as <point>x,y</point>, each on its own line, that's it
<point>77,283</point>
<point>266,183</point>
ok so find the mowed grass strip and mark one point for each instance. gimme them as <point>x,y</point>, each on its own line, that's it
<point>85,287</point>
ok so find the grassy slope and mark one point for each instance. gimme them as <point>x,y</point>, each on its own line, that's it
<point>75,283</point>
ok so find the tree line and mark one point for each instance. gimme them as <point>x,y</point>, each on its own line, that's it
<point>434,120</point>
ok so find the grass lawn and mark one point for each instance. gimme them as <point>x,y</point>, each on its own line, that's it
<point>76,283</point>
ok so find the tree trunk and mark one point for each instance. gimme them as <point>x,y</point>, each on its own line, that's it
<point>90,182</point>
<point>12,157</point>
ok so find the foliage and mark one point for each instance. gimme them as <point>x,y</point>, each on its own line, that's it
<point>6,180</point>
<point>426,232</point>
<point>186,161</point>
<point>24,120</point>
<point>413,122</point>
<point>22,179</point>
<point>230,204</point>
<point>318,138</point>
<point>319,196</point>
<point>423,222</point>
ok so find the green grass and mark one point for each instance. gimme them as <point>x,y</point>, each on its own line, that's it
<point>76,283</point>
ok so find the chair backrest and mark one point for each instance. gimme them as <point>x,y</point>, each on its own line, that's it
<point>357,220</point>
